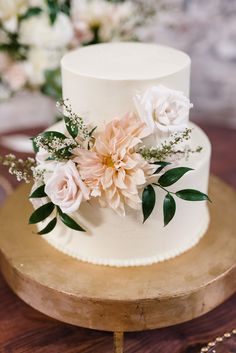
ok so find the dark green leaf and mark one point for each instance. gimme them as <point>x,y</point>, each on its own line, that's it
<point>192,195</point>
<point>53,9</point>
<point>69,222</point>
<point>169,208</point>
<point>51,225</point>
<point>32,11</point>
<point>71,128</point>
<point>92,131</point>
<point>35,147</point>
<point>52,86</point>
<point>39,192</point>
<point>148,201</point>
<point>52,134</point>
<point>41,213</point>
<point>161,165</point>
<point>171,176</point>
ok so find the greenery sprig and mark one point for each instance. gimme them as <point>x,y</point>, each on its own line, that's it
<point>168,148</point>
<point>169,178</point>
<point>74,123</point>
<point>58,146</point>
<point>46,210</point>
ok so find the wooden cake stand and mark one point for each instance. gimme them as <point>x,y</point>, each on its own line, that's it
<point>120,299</point>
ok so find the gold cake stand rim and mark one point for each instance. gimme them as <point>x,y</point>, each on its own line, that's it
<point>150,308</point>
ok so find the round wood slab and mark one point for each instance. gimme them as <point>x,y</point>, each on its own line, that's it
<point>120,299</point>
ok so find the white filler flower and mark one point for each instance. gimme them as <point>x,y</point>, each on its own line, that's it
<point>164,110</point>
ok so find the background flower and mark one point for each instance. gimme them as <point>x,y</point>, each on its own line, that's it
<point>99,20</point>
<point>38,31</point>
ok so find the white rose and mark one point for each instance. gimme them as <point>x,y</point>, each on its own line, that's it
<point>163,110</point>
<point>66,189</point>
<point>38,31</point>
<point>39,60</point>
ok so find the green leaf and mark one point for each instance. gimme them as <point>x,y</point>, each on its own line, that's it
<point>35,147</point>
<point>51,225</point>
<point>41,213</point>
<point>162,165</point>
<point>92,131</point>
<point>32,11</point>
<point>148,201</point>
<point>53,9</point>
<point>192,195</point>
<point>169,208</point>
<point>171,176</point>
<point>39,192</point>
<point>69,222</point>
<point>71,128</point>
<point>52,86</point>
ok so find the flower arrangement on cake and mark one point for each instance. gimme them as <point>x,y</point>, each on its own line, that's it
<point>35,34</point>
<point>119,165</point>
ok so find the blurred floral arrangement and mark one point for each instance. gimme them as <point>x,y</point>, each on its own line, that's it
<point>34,34</point>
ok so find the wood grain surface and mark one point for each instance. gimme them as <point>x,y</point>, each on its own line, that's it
<point>23,330</point>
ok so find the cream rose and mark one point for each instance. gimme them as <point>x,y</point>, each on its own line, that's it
<point>66,189</point>
<point>38,31</point>
<point>163,110</point>
<point>39,60</point>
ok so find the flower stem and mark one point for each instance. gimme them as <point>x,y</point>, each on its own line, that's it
<point>169,192</point>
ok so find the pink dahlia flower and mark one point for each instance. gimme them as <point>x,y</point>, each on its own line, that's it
<point>112,169</point>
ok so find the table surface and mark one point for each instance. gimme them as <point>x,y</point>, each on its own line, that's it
<point>24,330</point>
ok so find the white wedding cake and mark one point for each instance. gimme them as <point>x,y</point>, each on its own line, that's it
<point>105,81</point>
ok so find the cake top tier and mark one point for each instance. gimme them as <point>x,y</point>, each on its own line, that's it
<point>125,61</point>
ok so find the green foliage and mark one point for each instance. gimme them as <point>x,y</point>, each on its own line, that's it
<point>148,201</point>
<point>192,195</point>
<point>32,11</point>
<point>69,222</point>
<point>161,165</point>
<point>72,127</point>
<point>172,176</point>
<point>169,208</point>
<point>53,9</point>
<point>51,225</point>
<point>41,213</point>
<point>39,192</point>
<point>52,86</point>
<point>12,46</point>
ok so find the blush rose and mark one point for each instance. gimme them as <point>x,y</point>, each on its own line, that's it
<point>65,188</point>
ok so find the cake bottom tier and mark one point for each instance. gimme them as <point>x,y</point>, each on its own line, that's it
<point>125,241</point>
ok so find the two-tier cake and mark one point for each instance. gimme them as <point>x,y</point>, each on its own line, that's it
<point>142,90</point>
